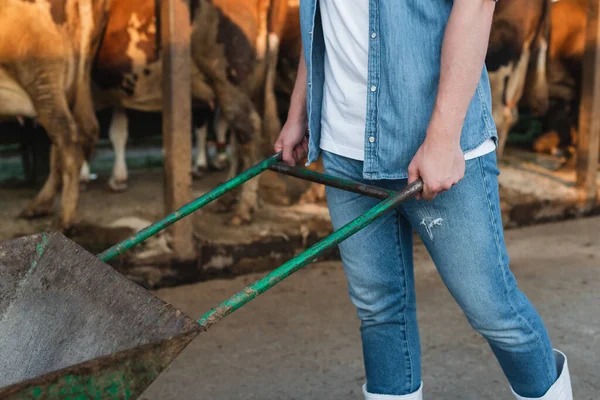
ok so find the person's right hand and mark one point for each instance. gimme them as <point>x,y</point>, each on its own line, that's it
<point>293,141</point>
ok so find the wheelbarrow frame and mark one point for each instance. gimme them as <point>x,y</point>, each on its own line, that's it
<point>123,366</point>
<point>390,200</point>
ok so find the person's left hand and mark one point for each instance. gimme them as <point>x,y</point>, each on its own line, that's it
<point>440,163</point>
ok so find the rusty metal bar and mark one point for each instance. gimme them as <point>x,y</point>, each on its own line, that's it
<point>345,184</point>
<point>177,119</point>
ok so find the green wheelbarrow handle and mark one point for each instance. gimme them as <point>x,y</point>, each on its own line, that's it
<point>391,200</point>
<point>306,257</point>
<point>186,210</point>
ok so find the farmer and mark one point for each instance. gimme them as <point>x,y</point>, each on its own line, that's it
<point>387,92</point>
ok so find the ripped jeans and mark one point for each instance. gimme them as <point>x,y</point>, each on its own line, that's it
<point>462,230</point>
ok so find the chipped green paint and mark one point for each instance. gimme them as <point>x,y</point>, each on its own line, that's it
<point>306,257</point>
<point>105,385</point>
<point>72,387</point>
<point>186,210</point>
<point>122,375</point>
<point>40,248</point>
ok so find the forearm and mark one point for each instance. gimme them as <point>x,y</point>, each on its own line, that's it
<point>463,56</point>
<point>297,111</point>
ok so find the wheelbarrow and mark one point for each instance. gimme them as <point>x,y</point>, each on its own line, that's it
<point>72,327</point>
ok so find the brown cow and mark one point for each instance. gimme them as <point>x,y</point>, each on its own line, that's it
<point>516,61</point>
<point>46,48</point>
<point>289,57</point>
<point>234,50</point>
<point>565,58</point>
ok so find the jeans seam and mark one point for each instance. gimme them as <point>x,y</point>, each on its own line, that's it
<point>404,298</point>
<point>497,240</point>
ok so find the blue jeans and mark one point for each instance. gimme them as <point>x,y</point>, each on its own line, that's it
<point>462,230</point>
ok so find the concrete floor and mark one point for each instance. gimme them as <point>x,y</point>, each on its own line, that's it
<point>301,340</point>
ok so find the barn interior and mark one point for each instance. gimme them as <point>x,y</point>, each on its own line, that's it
<point>535,188</point>
<point>548,165</point>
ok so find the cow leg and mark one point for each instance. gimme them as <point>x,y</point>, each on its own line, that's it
<point>557,130</point>
<point>507,85</point>
<point>536,93</point>
<point>234,167</point>
<point>85,117</point>
<point>271,122</point>
<point>209,60</point>
<point>561,116</point>
<point>248,200</point>
<point>118,133</point>
<point>71,157</point>
<point>510,116</point>
<point>44,202</point>
<point>44,87</point>
<point>84,176</point>
<point>314,194</point>
<point>71,161</point>
<point>67,155</point>
<point>500,112</point>
<point>89,129</point>
<point>201,164</point>
<point>222,160</point>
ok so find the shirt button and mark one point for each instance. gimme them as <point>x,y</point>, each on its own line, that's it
<point>309,83</point>
<point>373,88</point>
<point>371,139</point>
<point>310,33</point>
<point>373,35</point>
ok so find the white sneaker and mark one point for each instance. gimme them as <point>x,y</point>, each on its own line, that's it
<point>418,395</point>
<point>561,389</point>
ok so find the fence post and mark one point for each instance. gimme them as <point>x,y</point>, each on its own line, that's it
<point>177,119</point>
<point>588,144</point>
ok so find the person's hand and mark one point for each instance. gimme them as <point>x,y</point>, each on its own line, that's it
<point>439,163</point>
<point>293,141</point>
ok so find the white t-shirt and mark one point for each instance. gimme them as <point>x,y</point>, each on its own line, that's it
<point>344,112</point>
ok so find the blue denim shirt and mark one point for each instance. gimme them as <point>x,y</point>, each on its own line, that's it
<point>403,75</point>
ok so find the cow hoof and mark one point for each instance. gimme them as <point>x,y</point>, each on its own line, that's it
<point>116,186</point>
<point>239,220</point>
<point>32,212</point>
<point>560,153</point>
<point>308,198</point>
<point>546,143</point>
<point>313,195</point>
<point>69,229</point>
<point>57,226</point>
<point>199,172</point>
<point>220,164</point>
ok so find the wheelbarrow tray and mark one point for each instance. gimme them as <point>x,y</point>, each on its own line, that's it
<point>73,327</point>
